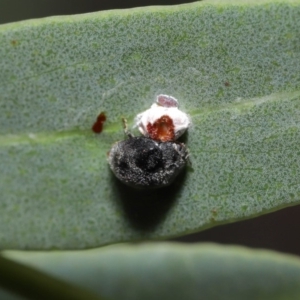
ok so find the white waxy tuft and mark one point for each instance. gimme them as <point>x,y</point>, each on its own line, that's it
<point>164,106</point>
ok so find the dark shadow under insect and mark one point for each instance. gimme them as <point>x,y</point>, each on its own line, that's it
<point>146,209</point>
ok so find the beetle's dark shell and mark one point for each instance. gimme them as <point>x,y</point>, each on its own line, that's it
<point>144,163</point>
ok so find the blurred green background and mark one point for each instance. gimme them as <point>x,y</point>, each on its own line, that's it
<point>278,231</point>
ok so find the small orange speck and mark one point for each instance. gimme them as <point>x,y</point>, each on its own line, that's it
<point>214,212</point>
<point>14,42</point>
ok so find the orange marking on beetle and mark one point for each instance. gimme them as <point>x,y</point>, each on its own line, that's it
<point>98,125</point>
<point>162,129</point>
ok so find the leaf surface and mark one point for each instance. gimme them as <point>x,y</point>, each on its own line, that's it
<point>172,271</point>
<point>233,66</point>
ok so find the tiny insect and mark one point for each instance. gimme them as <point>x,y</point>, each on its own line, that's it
<point>163,121</point>
<point>144,163</point>
<point>98,125</point>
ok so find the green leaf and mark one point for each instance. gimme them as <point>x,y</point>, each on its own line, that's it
<point>33,284</point>
<point>233,65</point>
<point>173,271</point>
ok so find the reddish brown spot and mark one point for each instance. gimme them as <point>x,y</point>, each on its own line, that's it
<point>98,125</point>
<point>162,129</point>
<point>226,83</point>
<point>14,43</point>
<point>214,212</point>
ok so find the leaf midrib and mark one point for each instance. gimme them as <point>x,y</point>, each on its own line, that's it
<point>237,106</point>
